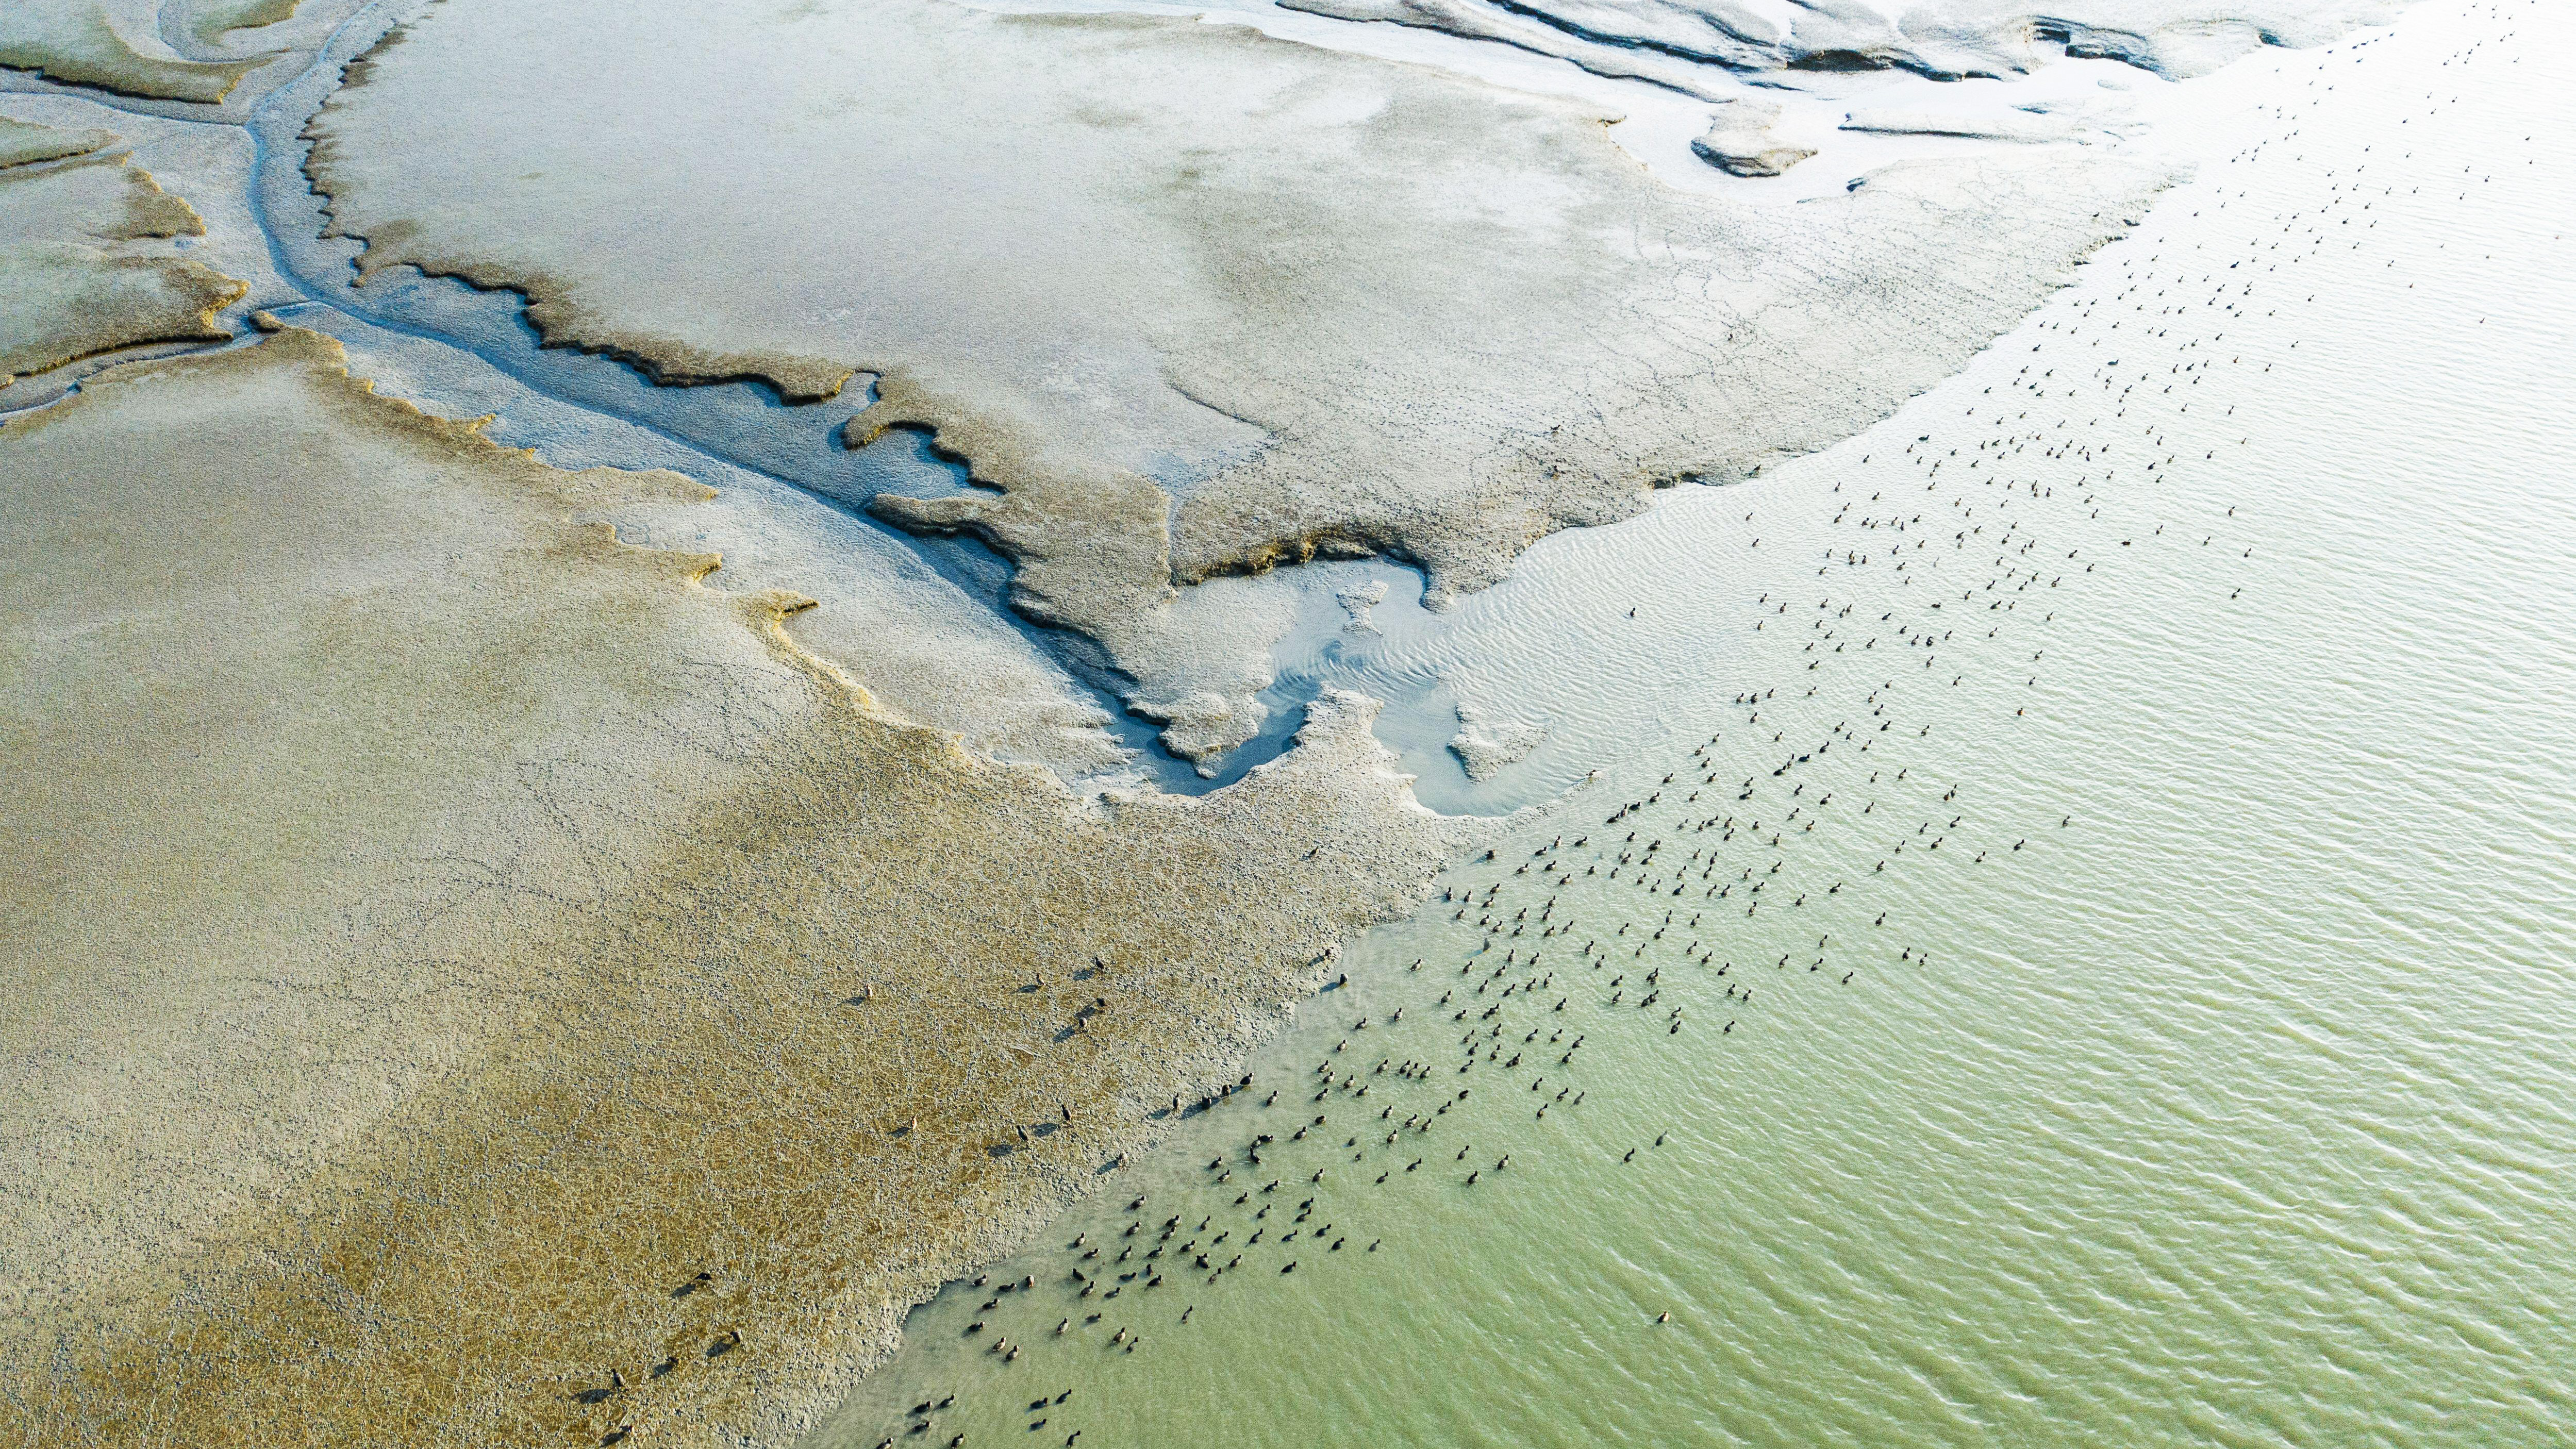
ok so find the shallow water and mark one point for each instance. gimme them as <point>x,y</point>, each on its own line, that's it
<point>2198,1071</point>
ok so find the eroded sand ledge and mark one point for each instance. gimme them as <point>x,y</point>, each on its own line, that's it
<point>1192,300</point>
<point>1665,41</point>
<point>442,932</point>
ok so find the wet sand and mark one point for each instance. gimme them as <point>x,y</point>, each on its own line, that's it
<point>443,933</point>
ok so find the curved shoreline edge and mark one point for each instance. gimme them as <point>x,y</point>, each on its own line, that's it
<point>659,953</point>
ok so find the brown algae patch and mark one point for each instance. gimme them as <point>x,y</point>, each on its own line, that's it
<point>473,984</point>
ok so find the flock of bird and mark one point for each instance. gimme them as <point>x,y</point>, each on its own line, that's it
<point>1755,868</point>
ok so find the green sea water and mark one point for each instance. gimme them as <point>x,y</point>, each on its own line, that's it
<point>2162,1015</point>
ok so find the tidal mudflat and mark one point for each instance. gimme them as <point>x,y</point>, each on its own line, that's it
<point>804,820</point>
<point>454,906</point>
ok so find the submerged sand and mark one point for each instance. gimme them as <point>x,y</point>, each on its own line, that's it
<point>459,957</point>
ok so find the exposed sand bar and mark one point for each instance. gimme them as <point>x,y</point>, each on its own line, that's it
<point>437,933</point>
<point>1192,299</point>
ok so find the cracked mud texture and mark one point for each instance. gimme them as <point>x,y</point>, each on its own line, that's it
<point>1190,300</point>
<point>95,43</point>
<point>72,282</point>
<point>455,956</point>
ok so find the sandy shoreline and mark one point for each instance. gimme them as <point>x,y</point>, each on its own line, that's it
<point>772,997</point>
<point>475,983</point>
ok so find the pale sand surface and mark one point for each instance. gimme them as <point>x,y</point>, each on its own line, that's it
<point>70,286</point>
<point>434,927</point>
<point>1740,142</point>
<point>1193,300</point>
